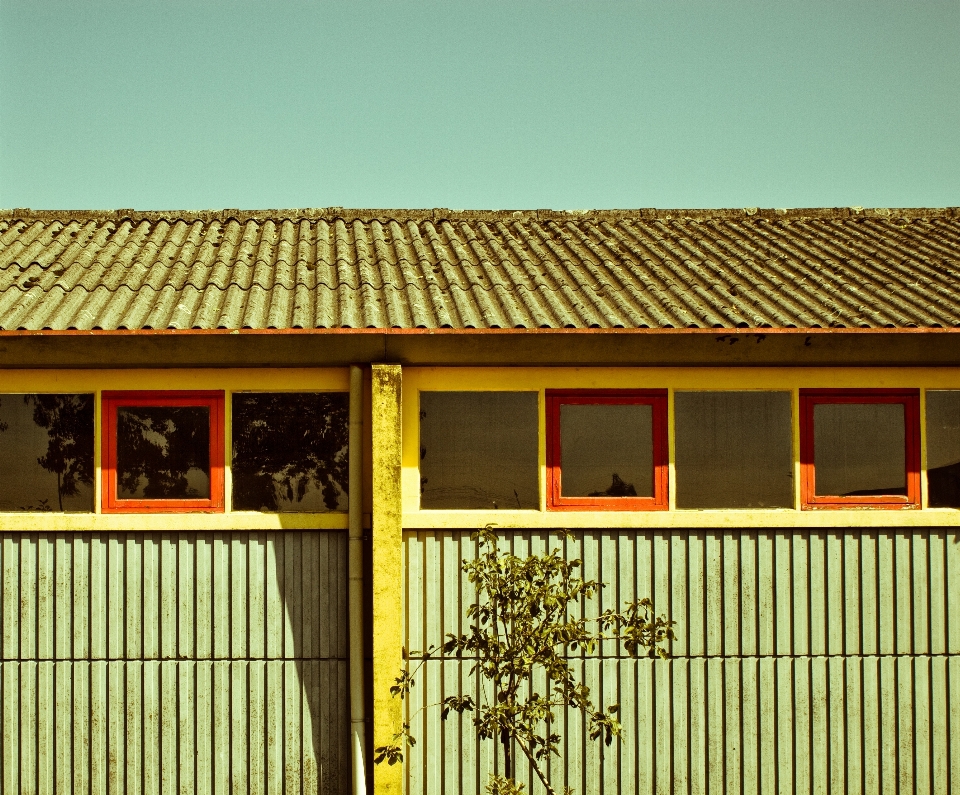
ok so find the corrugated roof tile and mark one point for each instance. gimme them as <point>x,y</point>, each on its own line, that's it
<point>430,269</point>
<point>18,305</point>
<point>279,310</point>
<point>323,310</point>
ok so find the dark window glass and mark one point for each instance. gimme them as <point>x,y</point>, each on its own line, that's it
<point>943,448</point>
<point>163,452</point>
<point>859,449</point>
<point>606,450</point>
<point>733,450</point>
<point>290,451</point>
<point>46,453</point>
<point>478,450</point>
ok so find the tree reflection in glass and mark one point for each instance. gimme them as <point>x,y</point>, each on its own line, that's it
<point>290,451</point>
<point>46,452</point>
<point>163,452</point>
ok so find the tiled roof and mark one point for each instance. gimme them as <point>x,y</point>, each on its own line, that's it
<point>338,268</point>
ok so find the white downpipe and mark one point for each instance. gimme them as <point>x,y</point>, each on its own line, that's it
<point>358,738</point>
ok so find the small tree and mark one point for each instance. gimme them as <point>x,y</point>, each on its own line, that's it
<point>522,623</point>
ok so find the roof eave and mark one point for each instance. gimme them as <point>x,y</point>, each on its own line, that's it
<point>803,347</point>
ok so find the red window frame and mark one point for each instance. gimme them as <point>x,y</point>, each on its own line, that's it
<point>111,401</point>
<point>909,399</point>
<point>657,398</point>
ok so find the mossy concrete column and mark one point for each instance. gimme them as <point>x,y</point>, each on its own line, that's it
<point>387,574</point>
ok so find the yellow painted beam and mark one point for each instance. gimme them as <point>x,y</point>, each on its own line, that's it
<point>734,519</point>
<point>679,378</point>
<point>387,549</point>
<point>229,379</point>
<point>169,522</point>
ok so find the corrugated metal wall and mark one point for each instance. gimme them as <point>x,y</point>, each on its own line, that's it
<point>807,661</point>
<point>174,662</point>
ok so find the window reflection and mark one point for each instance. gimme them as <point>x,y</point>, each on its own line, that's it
<point>163,452</point>
<point>290,451</point>
<point>478,450</point>
<point>46,452</point>
<point>733,450</point>
<point>606,450</point>
<point>859,449</point>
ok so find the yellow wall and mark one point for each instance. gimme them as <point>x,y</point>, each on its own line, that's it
<point>481,378</point>
<point>540,379</point>
<point>235,380</point>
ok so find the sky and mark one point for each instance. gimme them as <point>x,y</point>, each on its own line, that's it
<point>479,105</point>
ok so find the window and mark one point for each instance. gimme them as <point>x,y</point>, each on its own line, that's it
<point>479,450</point>
<point>607,450</point>
<point>860,448</point>
<point>162,451</point>
<point>290,451</point>
<point>46,452</point>
<point>733,450</point>
<point>943,448</point>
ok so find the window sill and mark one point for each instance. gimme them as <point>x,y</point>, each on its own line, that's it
<point>684,519</point>
<point>169,522</point>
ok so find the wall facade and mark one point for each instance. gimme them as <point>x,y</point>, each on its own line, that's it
<point>817,650</point>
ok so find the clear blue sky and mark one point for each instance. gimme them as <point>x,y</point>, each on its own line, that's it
<point>566,105</point>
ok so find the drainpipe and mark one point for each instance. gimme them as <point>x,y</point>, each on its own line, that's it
<point>355,594</point>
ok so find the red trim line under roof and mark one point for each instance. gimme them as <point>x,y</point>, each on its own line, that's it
<point>722,332</point>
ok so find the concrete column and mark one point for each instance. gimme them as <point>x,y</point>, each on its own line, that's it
<point>387,583</point>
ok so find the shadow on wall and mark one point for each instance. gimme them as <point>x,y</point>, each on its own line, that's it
<point>311,582</point>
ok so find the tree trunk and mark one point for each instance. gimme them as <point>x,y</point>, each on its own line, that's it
<point>507,756</point>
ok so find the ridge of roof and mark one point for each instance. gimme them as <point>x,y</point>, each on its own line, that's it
<point>25,214</point>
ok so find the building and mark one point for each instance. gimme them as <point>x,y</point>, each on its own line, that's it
<point>190,560</point>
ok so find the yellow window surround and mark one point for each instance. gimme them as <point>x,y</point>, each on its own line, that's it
<point>675,379</point>
<point>229,380</point>
<point>420,379</point>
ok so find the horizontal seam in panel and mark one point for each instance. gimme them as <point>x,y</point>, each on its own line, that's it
<point>169,659</point>
<point>946,655</point>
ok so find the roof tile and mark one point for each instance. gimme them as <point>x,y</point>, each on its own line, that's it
<point>475,269</point>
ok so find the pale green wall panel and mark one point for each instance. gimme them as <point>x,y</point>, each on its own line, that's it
<point>807,661</point>
<point>175,662</point>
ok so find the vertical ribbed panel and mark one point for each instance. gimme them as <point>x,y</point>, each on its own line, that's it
<point>174,662</point>
<point>806,661</point>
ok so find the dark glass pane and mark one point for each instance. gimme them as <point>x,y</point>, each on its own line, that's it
<point>733,450</point>
<point>943,448</point>
<point>478,450</point>
<point>290,451</point>
<point>46,453</point>
<point>163,452</point>
<point>606,450</point>
<point>858,449</point>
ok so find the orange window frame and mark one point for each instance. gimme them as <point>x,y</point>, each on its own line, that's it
<point>657,398</point>
<point>909,399</point>
<point>112,401</point>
